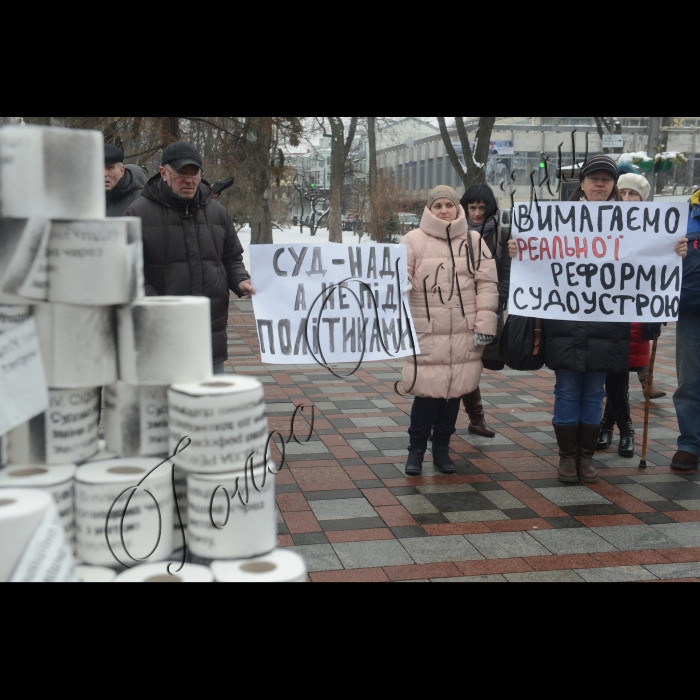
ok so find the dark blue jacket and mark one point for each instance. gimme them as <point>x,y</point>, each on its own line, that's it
<point>690,296</point>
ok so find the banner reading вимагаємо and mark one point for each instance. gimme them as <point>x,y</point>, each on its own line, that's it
<point>598,261</point>
<point>331,304</point>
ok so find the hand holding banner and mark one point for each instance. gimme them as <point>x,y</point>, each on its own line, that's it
<point>609,262</point>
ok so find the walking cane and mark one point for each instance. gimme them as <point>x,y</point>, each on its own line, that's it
<point>647,410</point>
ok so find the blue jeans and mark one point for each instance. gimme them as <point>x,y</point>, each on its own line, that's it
<point>579,397</point>
<point>219,368</point>
<point>687,398</point>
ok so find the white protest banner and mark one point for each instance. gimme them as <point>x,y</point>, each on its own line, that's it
<point>606,262</point>
<point>329,304</point>
<point>23,392</point>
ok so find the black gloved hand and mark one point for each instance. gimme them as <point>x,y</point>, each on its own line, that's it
<point>651,330</point>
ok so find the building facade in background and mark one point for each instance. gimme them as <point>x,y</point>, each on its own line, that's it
<point>516,155</point>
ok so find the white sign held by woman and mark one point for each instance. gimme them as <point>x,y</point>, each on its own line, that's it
<point>609,262</point>
<point>328,304</point>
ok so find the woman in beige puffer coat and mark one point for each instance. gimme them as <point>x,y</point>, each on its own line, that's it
<point>454,303</point>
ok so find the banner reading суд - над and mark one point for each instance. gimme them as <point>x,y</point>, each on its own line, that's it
<point>329,304</point>
<point>598,261</point>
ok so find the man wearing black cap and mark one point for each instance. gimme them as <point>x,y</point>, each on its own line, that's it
<point>190,245</point>
<point>122,188</point>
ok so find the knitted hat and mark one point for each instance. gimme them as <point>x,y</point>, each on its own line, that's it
<point>600,163</point>
<point>638,183</point>
<point>443,192</point>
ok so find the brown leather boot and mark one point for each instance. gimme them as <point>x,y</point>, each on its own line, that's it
<point>656,393</point>
<point>588,438</point>
<point>475,410</point>
<point>685,462</point>
<point>567,437</point>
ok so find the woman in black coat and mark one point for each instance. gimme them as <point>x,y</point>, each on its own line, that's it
<point>582,354</point>
<point>483,216</point>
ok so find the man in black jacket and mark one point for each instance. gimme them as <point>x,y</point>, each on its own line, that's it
<point>190,245</point>
<point>122,188</point>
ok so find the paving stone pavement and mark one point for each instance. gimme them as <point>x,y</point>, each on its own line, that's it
<point>346,506</point>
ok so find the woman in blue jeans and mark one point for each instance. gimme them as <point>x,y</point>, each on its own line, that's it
<point>582,354</point>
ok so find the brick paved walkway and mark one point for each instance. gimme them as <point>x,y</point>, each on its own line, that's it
<point>346,506</point>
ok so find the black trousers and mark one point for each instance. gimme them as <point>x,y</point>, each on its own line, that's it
<point>434,416</point>
<point>617,387</point>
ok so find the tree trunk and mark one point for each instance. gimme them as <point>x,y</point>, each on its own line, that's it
<point>475,172</point>
<point>41,121</point>
<point>375,213</point>
<point>173,128</point>
<point>259,145</point>
<point>340,150</point>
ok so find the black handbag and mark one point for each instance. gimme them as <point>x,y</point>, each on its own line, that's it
<point>522,344</point>
<point>492,354</point>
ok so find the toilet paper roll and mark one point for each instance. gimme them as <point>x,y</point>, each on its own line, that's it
<point>165,340</point>
<point>78,345</point>
<point>242,531</point>
<point>67,433</point>
<point>52,173</point>
<point>23,392</point>
<point>102,491</point>
<point>225,419</point>
<point>13,316</point>
<point>281,566</point>
<point>136,420</point>
<point>23,260</point>
<point>96,263</point>
<point>56,481</point>
<point>33,546</point>
<point>160,573</point>
<point>95,574</point>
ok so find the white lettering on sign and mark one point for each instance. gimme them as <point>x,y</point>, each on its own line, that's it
<point>23,393</point>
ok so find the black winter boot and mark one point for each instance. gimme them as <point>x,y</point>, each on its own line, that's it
<point>608,428</point>
<point>627,434</point>
<point>441,454</point>
<point>619,400</point>
<point>416,455</point>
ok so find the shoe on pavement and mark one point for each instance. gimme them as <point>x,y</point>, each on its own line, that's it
<point>685,462</point>
<point>474,407</point>
<point>441,455</point>
<point>416,455</point>
<point>656,393</point>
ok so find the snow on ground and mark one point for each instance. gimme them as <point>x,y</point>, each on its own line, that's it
<point>294,235</point>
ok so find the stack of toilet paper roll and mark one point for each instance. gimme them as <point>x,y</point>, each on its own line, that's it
<point>72,283</point>
<point>232,512</point>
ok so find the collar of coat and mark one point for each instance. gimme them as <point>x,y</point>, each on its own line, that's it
<point>126,186</point>
<point>158,191</point>
<point>438,229</point>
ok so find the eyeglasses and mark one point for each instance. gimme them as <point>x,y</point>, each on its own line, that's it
<point>186,176</point>
<point>603,180</point>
